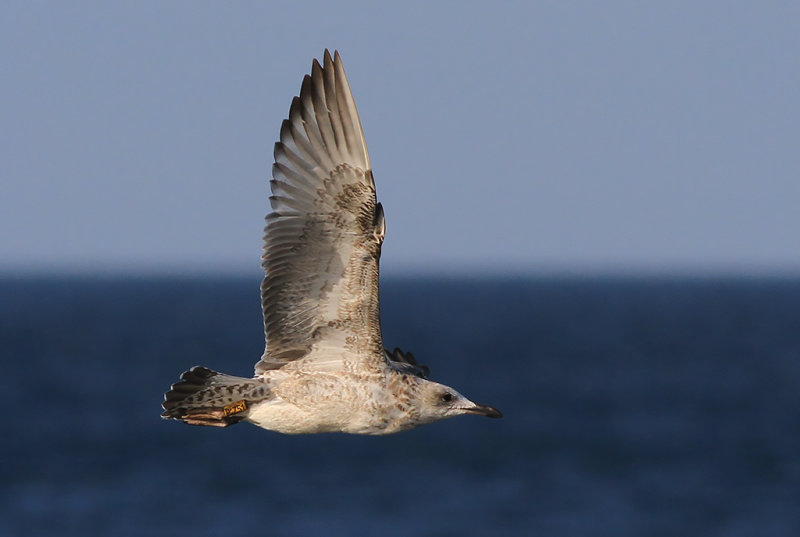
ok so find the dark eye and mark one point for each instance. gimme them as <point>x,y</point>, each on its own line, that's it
<point>447,397</point>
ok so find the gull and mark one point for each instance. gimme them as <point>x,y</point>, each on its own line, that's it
<point>324,368</point>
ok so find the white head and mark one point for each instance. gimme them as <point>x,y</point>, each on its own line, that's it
<point>436,402</point>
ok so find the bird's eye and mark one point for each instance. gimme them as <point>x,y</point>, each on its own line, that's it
<point>447,397</point>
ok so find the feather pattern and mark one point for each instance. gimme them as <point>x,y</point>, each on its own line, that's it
<point>323,238</point>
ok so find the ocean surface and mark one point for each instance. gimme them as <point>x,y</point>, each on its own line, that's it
<point>632,408</point>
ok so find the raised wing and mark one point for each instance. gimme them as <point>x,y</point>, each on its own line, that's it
<point>323,239</point>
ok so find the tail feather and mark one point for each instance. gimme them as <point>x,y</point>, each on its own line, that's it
<point>206,397</point>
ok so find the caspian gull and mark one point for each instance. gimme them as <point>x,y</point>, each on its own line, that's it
<point>324,368</point>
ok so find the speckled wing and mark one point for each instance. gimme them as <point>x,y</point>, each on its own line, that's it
<point>323,239</point>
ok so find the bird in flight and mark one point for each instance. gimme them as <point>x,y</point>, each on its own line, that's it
<point>324,368</point>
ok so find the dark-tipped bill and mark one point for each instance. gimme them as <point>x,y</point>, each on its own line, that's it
<point>484,410</point>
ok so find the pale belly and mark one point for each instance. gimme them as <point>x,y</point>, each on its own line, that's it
<point>328,417</point>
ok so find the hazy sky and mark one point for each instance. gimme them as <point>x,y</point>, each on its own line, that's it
<point>523,137</point>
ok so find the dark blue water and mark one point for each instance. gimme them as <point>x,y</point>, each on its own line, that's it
<point>632,408</point>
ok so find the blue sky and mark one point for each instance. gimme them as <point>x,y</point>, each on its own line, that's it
<point>567,137</point>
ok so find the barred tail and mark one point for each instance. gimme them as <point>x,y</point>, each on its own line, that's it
<point>206,397</point>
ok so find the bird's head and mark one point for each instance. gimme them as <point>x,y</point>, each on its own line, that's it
<point>437,402</point>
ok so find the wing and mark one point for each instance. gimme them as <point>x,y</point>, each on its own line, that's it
<point>405,362</point>
<point>323,239</point>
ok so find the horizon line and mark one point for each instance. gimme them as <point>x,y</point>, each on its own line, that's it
<point>541,271</point>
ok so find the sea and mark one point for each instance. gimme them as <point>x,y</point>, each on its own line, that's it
<point>632,407</point>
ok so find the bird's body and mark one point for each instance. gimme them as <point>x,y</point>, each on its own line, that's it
<point>324,368</point>
<point>349,403</point>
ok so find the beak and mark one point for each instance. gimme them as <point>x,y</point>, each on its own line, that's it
<point>484,410</point>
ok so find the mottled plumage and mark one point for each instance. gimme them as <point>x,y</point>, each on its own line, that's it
<point>324,368</point>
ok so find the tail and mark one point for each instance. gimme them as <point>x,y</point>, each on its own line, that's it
<point>206,397</point>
